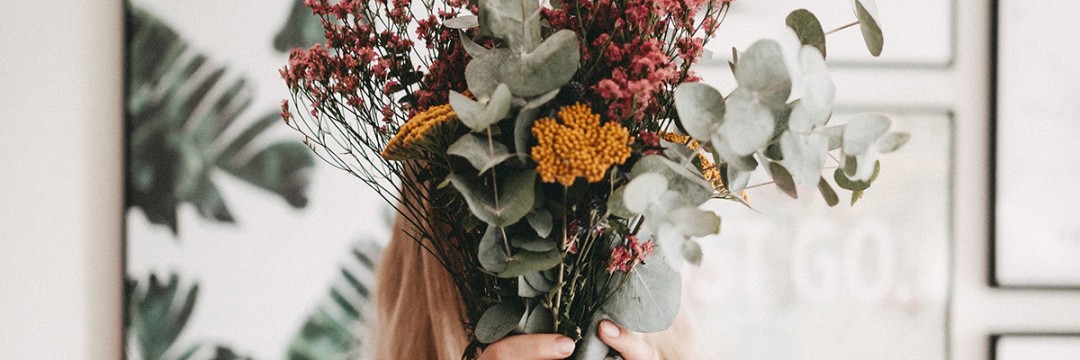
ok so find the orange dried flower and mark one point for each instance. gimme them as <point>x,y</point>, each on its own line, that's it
<point>409,140</point>
<point>578,146</point>
<point>708,168</point>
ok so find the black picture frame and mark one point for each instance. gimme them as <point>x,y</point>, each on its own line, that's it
<point>996,338</point>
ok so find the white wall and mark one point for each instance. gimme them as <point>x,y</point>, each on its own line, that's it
<point>60,179</point>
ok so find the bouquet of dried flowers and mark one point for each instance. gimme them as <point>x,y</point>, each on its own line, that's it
<point>554,156</point>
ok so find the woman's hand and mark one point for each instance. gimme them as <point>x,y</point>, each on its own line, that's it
<point>627,343</point>
<point>530,347</point>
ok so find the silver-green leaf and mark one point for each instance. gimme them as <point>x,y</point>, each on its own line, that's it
<point>483,153</point>
<point>700,108</point>
<point>497,321</point>
<point>866,11</point>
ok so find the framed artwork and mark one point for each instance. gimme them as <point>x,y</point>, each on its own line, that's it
<point>239,242</point>
<point>1035,235</point>
<point>1042,346</point>
<point>795,279</point>
<point>928,42</point>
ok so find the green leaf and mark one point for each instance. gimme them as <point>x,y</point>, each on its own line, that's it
<point>871,32</point>
<point>530,261</point>
<point>643,191</point>
<point>540,220</point>
<point>516,197</point>
<point>479,116</point>
<point>462,22</point>
<point>483,153</point>
<point>804,155</point>
<point>748,126</point>
<point>616,206</point>
<point>497,321</point>
<point>828,193</point>
<point>694,222</point>
<point>862,131</point>
<point>523,131</point>
<point>808,29</point>
<point>532,243</point>
<point>700,108</point>
<point>692,190</point>
<point>855,196</point>
<point>691,251</point>
<point>649,298</point>
<point>546,68</point>
<point>515,21</point>
<point>475,50</point>
<point>525,290</point>
<point>892,141</point>
<point>844,182</point>
<point>158,316</point>
<point>492,251</point>
<point>540,320</point>
<point>783,179</point>
<point>539,281</point>
<point>762,71</point>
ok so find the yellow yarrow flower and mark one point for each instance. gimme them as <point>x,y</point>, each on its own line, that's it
<point>578,146</point>
<point>409,139</point>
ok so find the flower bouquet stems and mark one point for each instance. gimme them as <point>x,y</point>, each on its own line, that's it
<point>554,157</point>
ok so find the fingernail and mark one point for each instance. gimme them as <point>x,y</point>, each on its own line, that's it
<point>609,329</point>
<point>564,345</point>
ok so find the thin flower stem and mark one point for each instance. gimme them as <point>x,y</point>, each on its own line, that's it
<point>759,185</point>
<point>856,22</point>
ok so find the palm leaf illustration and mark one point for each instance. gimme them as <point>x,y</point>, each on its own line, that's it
<point>182,113</point>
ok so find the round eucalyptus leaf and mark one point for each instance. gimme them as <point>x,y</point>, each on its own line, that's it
<point>643,191</point>
<point>694,222</point>
<point>525,290</point>
<point>808,28</point>
<point>691,189</point>
<point>524,262</point>
<point>691,251</point>
<point>649,298</point>
<point>462,22</point>
<point>537,280</point>
<point>748,124</point>
<point>498,320</point>
<point>700,108</point>
<point>783,179</point>
<point>546,68</point>
<point>516,197</point>
<point>475,50</point>
<point>738,179</point>
<point>492,251</point>
<point>532,243</point>
<point>616,206</point>
<point>866,11</point>
<point>540,220</point>
<point>479,116</point>
<point>523,131</point>
<point>828,193</point>
<point>481,152</point>
<point>804,155</point>
<point>892,141</point>
<point>862,131</point>
<point>482,72</point>
<point>540,320</point>
<point>761,69</point>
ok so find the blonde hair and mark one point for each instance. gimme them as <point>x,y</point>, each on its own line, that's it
<point>419,315</point>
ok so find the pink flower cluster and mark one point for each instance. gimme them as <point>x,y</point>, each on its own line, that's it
<point>367,65</point>
<point>635,52</point>
<point>628,255</point>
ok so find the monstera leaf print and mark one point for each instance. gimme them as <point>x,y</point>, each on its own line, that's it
<point>301,29</point>
<point>157,314</point>
<point>336,329</point>
<point>186,121</point>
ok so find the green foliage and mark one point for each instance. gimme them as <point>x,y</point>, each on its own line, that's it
<point>700,108</point>
<point>178,110</point>
<point>498,320</point>
<point>157,315</point>
<point>479,116</point>
<point>807,28</point>
<point>481,152</point>
<point>301,29</point>
<point>544,69</point>
<point>336,328</point>
<point>869,26</point>
<point>649,297</point>
<point>514,200</point>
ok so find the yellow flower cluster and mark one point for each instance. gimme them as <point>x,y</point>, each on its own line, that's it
<point>404,144</point>
<point>579,146</point>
